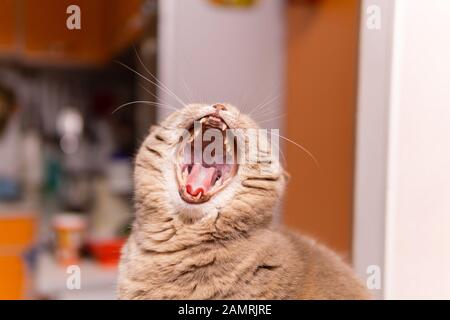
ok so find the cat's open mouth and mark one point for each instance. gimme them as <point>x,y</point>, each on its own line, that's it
<point>206,160</point>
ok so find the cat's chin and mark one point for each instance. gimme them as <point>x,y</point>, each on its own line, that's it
<point>192,214</point>
<point>190,217</point>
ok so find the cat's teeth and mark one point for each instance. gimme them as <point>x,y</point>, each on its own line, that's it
<point>198,196</point>
<point>185,174</point>
<point>219,182</point>
<point>224,126</point>
<point>197,132</point>
<point>203,120</point>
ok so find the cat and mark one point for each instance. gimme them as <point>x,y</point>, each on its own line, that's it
<point>206,232</point>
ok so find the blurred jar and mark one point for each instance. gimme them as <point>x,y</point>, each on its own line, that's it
<point>70,230</point>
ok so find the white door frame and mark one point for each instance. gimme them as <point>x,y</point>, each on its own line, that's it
<point>372,130</point>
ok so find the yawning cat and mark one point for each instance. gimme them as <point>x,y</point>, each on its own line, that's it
<point>204,230</point>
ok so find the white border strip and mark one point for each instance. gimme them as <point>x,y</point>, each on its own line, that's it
<point>372,141</point>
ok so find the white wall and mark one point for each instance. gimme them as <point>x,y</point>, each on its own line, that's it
<point>418,211</point>
<point>415,235</point>
<point>222,54</point>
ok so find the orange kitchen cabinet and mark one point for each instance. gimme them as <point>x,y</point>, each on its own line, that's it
<point>125,23</point>
<point>12,277</point>
<point>107,26</point>
<point>16,237</point>
<point>35,31</point>
<point>322,61</point>
<point>8,26</point>
<point>47,38</point>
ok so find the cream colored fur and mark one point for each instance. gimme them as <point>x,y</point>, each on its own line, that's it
<point>226,248</point>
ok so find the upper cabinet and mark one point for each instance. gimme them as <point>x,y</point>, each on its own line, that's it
<point>38,31</point>
<point>47,35</point>
<point>8,30</point>
<point>126,22</point>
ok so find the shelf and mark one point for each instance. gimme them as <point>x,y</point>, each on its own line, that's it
<point>97,282</point>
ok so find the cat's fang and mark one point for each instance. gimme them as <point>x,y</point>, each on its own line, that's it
<point>185,174</point>
<point>196,132</point>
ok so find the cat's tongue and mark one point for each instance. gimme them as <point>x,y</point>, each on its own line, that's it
<point>199,179</point>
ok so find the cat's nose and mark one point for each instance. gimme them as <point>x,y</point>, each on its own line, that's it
<point>219,107</point>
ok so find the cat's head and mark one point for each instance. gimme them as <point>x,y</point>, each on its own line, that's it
<point>209,161</point>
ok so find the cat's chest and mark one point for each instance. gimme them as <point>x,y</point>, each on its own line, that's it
<point>211,274</point>
<point>197,275</point>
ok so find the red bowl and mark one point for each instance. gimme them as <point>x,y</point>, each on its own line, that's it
<point>107,252</point>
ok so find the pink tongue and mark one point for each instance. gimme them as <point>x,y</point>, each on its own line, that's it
<point>199,180</point>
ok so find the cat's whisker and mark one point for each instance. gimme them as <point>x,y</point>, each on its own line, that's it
<point>157,80</point>
<point>150,93</point>
<point>284,157</point>
<point>266,113</point>
<point>262,105</point>
<point>273,118</point>
<point>238,115</point>
<point>270,95</point>
<point>242,99</point>
<point>187,90</point>
<point>155,104</point>
<point>160,104</point>
<point>251,111</point>
<point>268,103</point>
<point>300,147</point>
<point>152,82</point>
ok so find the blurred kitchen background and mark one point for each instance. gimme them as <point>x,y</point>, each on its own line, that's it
<point>66,158</point>
<point>331,79</point>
